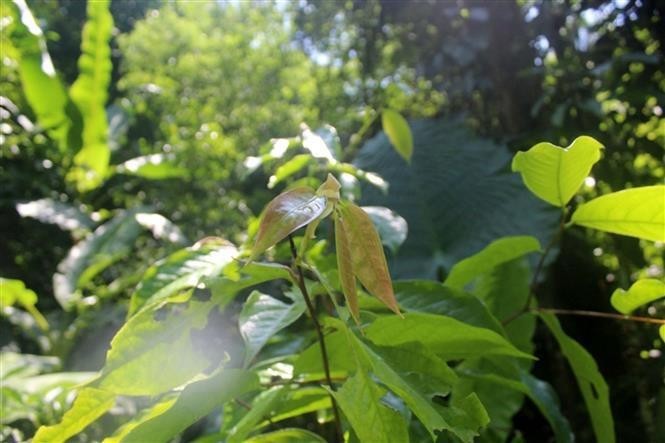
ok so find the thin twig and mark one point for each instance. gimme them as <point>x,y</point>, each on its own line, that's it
<point>319,332</point>
<point>582,313</point>
<point>284,381</point>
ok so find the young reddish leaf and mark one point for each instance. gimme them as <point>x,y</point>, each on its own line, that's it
<point>344,264</point>
<point>367,258</point>
<point>287,212</point>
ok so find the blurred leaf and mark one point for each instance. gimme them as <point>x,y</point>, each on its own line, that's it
<point>360,401</point>
<point>153,352</point>
<point>89,92</point>
<point>286,213</point>
<point>90,404</point>
<point>398,132</point>
<point>446,337</point>
<point>636,212</point>
<point>640,293</point>
<point>17,365</point>
<point>288,435</point>
<point>347,278</point>
<point>289,168</point>
<point>554,173</point>
<point>590,380</point>
<point>299,401</point>
<point>46,210</point>
<point>42,88</point>
<point>392,228</point>
<point>153,167</point>
<point>494,254</point>
<point>161,227</point>
<point>180,270</point>
<point>315,144</point>
<point>455,196</point>
<point>367,259</point>
<point>173,415</point>
<point>262,405</point>
<point>262,316</point>
<point>14,292</point>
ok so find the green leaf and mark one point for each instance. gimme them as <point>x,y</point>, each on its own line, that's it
<point>455,196</point>
<point>288,435</point>
<point>640,293</point>
<point>153,167</point>
<point>554,173</point>
<point>46,210</point>
<point>360,401</point>
<point>392,228</point>
<point>299,401</point>
<point>637,212</point>
<point>173,415</point>
<point>445,336</point>
<point>367,258</point>
<point>43,89</point>
<point>398,132</point>
<point>262,406</point>
<point>89,93</point>
<point>153,352</point>
<point>90,404</point>
<point>262,316</point>
<point>590,380</point>
<point>347,278</point>
<point>289,168</point>
<point>180,270</point>
<point>223,289</point>
<point>15,292</point>
<point>494,254</point>
<point>286,213</point>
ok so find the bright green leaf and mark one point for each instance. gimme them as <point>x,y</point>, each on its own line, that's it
<point>367,258</point>
<point>637,212</point>
<point>288,435</point>
<point>262,316</point>
<point>392,228</point>
<point>90,404</point>
<point>286,213</point>
<point>445,336</point>
<point>553,173</point>
<point>497,252</point>
<point>289,168</point>
<point>590,380</point>
<point>640,293</point>
<point>90,92</point>
<point>15,292</point>
<point>398,132</point>
<point>360,401</point>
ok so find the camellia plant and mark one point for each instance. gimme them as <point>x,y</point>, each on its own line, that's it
<point>385,362</point>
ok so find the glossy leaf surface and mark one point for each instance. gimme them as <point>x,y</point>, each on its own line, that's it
<point>590,380</point>
<point>640,293</point>
<point>554,173</point>
<point>636,212</point>
<point>286,213</point>
<point>262,316</point>
<point>398,132</point>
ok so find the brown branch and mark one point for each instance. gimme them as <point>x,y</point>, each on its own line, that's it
<point>610,315</point>
<point>319,332</point>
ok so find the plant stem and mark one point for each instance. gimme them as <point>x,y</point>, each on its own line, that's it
<point>319,333</point>
<point>582,313</point>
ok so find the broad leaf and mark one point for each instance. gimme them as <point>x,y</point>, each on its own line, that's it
<point>590,380</point>
<point>347,278</point>
<point>89,92</point>
<point>288,435</point>
<point>173,415</point>
<point>367,258</point>
<point>637,212</point>
<point>286,213</point>
<point>398,132</point>
<point>445,336</point>
<point>14,292</point>
<point>161,227</point>
<point>153,167</point>
<point>262,316</point>
<point>46,210</point>
<point>153,352</point>
<point>180,270</point>
<point>455,196</point>
<point>360,401</point>
<point>640,293</point>
<point>299,401</point>
<point>392,228</point>
<point>262,406</point>
<point>494,254</point>
<point>43,89</point>
<point>90,404</point>
<point>289,168</point>
<point>554,173</point>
